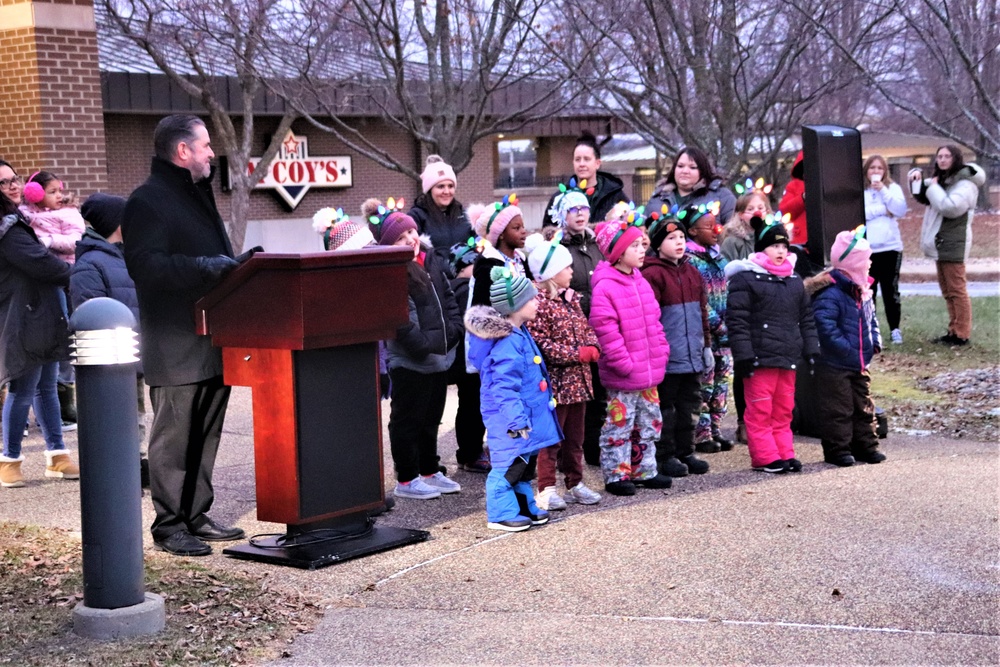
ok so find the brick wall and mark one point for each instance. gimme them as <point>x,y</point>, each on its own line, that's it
<point>130,147</point>
<point>50,98</point>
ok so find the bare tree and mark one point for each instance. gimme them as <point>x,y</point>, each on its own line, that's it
<point>944,62</point>
<point>202,45</point>
<point>446,72</point>
<point>734,77</point>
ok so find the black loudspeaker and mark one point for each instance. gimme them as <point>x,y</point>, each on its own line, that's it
<point>835,198</point>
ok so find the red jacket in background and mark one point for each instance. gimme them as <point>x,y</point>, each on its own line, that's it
<point>793,202</point>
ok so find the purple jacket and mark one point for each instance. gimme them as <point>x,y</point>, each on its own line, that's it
<point>626,317</point>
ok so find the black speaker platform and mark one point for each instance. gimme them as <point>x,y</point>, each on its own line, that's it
<point>311,553</point>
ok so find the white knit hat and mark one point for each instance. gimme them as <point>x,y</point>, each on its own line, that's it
<point>546,258</point>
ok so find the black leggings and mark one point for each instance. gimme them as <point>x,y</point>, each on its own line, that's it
<point>885,271</point>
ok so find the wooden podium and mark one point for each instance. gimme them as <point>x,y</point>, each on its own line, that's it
<point>302,332</point>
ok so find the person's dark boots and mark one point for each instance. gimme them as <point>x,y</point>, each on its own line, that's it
<point>708,447</point>
<point>871,457</point>
<point>725,444</point>
<point>842,461</point>
<point>695,465</point>
<point>144,472</point>
<point>881,423</point>
<point>673,467</point>
<point>741,433</point>
<point>620,488</point>
<point>67,402</point>
<point>793,465</point>
<point>655,482</point>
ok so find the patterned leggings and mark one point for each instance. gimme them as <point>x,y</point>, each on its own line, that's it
<point>630,413</point>
<point>714,394</point>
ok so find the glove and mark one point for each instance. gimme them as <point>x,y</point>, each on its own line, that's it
<point>520,433</point>
<point>708,357</point>
<point>214,267</point>
<point>249,253</point>
<point>811,359</point>
<point>589,354</point>
<point>744,368</point>
<point>383,385</point>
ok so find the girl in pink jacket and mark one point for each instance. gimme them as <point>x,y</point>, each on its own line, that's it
<point>626,317</point>
<point>58,227</point>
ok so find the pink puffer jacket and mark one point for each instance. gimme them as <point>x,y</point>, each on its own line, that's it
<point>58,229</point>
<point>626,317</point>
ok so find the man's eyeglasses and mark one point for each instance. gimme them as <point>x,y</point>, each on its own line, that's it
<point>8,182</point>
<point>577,210</point>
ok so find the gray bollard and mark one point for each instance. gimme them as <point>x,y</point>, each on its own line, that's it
<point>104,352</point>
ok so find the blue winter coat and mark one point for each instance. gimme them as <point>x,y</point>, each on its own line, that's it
<point>848,330</point>
<point>515,390</point>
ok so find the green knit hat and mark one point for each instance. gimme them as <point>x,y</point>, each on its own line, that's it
<point>509,291</point>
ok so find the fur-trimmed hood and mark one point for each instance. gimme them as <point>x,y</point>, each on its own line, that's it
<point>487,323</point>
<point>969,171</point>
<point>736,227</point>
<point>820,281</point>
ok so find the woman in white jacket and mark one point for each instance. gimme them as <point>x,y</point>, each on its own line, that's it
<point>946,235</point>
<point>885,204</point>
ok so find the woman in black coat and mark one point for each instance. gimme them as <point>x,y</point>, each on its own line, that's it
<point>33,337</point>
<point>439,216</point>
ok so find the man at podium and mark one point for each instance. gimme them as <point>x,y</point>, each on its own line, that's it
<point>176,250</point>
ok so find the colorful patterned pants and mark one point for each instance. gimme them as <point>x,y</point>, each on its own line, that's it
<point>714,394</point>
<point>629,435</point>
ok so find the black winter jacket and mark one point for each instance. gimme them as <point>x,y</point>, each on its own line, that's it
<point>170,221</point>
<point>609,191</point>
<point>33,328</point>
<point>770,318</point>
<point>586,256</point>
<point>100,271</point>
<point>427,342</point>
<point>445,228</point>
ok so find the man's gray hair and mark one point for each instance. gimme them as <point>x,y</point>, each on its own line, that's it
<point>173,130</point>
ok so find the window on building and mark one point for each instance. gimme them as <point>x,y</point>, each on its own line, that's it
<point>517,163</point>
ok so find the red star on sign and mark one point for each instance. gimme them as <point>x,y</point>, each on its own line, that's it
<point>291,145</point>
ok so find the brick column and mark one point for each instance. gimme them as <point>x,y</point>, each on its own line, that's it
<point>50,92</point>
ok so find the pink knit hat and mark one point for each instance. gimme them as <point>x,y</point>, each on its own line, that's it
<point>492,220</point>
<point>850,254</point>
<point>614,236</point>
<point>435,172</point>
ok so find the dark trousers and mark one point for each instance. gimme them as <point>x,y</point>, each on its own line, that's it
<point>847,412</point>
<point>680,406</point>
<point>567,456</point>
<point>183,442</point>
<point>594,419</point>
<point>738,396</point>
<point>469,427</point>
<point>414,417</point>
<point>885,271</point>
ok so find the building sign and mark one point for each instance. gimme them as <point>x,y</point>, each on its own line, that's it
<point>293,172</point>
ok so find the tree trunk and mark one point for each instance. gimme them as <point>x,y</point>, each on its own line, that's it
<point>240,211</point>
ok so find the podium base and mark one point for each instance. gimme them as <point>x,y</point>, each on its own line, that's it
<point>312,556</point>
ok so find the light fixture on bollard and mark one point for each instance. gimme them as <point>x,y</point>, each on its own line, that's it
<point>104,351</point>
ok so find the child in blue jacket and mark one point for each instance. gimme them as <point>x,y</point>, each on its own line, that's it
<point>848,338</point>
<point>517,403</point>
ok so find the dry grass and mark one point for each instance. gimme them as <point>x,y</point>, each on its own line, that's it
<point>213,618</point>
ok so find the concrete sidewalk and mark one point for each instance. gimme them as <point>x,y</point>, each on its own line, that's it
<point>923,270</point>
<point>893,563</point>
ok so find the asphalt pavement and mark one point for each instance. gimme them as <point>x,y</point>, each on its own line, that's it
<point>890,563</point>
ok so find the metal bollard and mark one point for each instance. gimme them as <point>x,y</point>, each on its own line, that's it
<point>104,352</point>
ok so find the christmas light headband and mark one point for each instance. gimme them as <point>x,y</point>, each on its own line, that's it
<point>753,186</point>
<point>859,234</point>
<point>556,239</point>
<point>509,200</point>
<point>383,212</point>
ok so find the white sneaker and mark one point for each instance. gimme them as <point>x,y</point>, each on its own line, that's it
<point>581,494</point>
<point>549,499</point>
<point>896,336</point>
<point>416,489</point>
<point>441,483</point>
